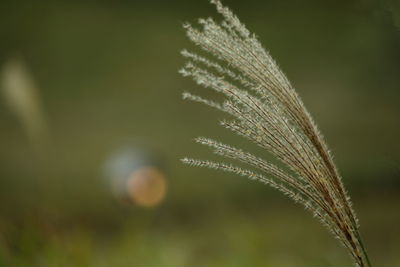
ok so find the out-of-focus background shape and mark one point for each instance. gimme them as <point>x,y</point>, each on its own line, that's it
<point>23,101</point>
<point>84,81</point>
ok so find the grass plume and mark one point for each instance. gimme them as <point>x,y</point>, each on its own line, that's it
<point>267,110</point>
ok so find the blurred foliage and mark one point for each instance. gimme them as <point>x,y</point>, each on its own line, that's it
<point>107,75</point>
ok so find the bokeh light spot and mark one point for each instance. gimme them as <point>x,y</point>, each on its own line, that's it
<point>147,186</point>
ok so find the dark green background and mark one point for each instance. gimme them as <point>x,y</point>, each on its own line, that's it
<point>107,75</point>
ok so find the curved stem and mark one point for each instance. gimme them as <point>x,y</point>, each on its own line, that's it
<point>364,251</point>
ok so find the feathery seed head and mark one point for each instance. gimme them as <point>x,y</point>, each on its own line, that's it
<point>267,110</point>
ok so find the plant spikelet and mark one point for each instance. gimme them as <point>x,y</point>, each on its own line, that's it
<point>265,108</point>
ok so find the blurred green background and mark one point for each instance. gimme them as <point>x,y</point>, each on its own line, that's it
<point>105,74</point>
